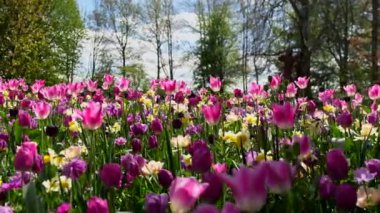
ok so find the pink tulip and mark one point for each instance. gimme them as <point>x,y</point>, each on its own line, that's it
<point>302,82</point>
<point>256,89</point>
<point>107,81</point>
<point>284,115</point>
<point>291,91</point>
<point>275,82</point>
<point>184,192</point>
<point>41,109</point>
<point>26,156</point>
<point>215,84</point>
<point>123,84</point>
<point>350,90</point>
<point>248,188</point>
<point>169,86</point>
<point>37,86</point>
<point>374,92</point>
<point>212,113</point>
<point>326,95</point>
<point>92,115</point>
<point>91,85</point>
<point>357,100</point>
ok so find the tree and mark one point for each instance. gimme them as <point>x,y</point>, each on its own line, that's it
<point>168,9</point>
<point>216,51</point>
<point>121,18</point>
<point>375,41</point>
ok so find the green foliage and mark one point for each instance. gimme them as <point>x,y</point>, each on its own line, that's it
<point>39,39</point>
<point>217,52</point>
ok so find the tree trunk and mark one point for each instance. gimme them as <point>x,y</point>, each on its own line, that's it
<point>374,43</point>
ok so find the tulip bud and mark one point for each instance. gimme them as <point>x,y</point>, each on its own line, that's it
<point>165,178</point>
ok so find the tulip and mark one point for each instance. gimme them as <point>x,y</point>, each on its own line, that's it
<point>169,86</point>
<point>91,85</point>
<point>97,205</point>
<point>64,208</point>
<point>350,90</point>
<point>41,109</point>
<point>74,169</point>
<point>345,196</point>
<point>345,119</point>
<point>24,119</point>
<point>202,157</point>
<point>132,164</point>
<point>214,189</point>
<point>212,113</point>
<point>138,129</point>
<point>275,81</point>
<point>136,145</point>
<point>326,187</point>
<point>107,81</point>
<point>26,156</point>
<point>123,84</point>
<point>291,91</point>
<point>156,126</point>
<point>279,176</point>
<point>156,203</point>
<point>248,188</point>
<point>284,115</point>
<point>206,208</point>
<point>110,174</point>
<point>120,141</point>
<point>230,208</point>
<point>152,142</point>
<point>215,84</point>
<point>6,209</point>
<point>92,116</point>
<point>373,166</point>
<point>302,82</point>
<point>374,92</point>
<point>363,175</point>
<point>165,178</point>
<point>373,118</point>
<point>184,192</point>
<point>238,93</point>
<point>337,165</point>
<point>326,95</point>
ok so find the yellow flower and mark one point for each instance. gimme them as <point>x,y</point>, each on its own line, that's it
<point>180,141</point>
<point>329,108</point>
<point>152,167</point>
<point>46,159</point>
<point>55,184</point>
<point>261,156</point>
<point>115,128</point>
<point>367,130</point>
<point>150,93</point>
<point>242,138</point>
<point>230,137</point>
<point>251,119</point>
<point>5,93</point>
<point>74,126</point>
<point>187,160</point>
<point>73,152</point>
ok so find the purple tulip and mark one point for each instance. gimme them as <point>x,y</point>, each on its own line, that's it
<point>345,119</point>
<point>138,129</point>
<point>26,156</point>
<point>214,189</point>
<point>337,165</point>
<point>132,164</point>
<point>165,178</point>
<point>373,118</point>
<point>201,157</point>
<point>345,196</point>
<point>206,208</point>
<point>3,145</point>
<point>230,208</point>
<point>326,187</point>
<point>97,205</point>
<point>74,169</point>
<point>363,175</point>
<point>156,203</point>
<point>110,174</point>
<point>248,187</point>
<point>120,141</point>
<point>152,142</point>
<point>24,119</point>
<point>136,145</point>
<point>279,176</point>
<point>373,166</point>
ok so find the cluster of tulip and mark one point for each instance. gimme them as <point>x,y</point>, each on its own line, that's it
<point>106,147</point>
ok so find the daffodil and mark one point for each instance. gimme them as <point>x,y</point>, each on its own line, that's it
<point>55,184</point>
<point>74,126</point>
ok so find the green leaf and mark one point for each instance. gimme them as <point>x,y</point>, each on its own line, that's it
<point>33,203</point>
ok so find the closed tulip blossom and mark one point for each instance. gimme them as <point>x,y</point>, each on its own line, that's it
<point>214,189</point>
<point>275,81</point>
<point>26,156</point>
<point>41,109</point>
<point>345,119</point>
<point>110,174</point>
<point>169,86</point>
<point>215,84</point>
<point>248,188</point>
<point>92,116</point>
<point>345,196</point>
<point>184,192</point>
<point>212,113</point>
<point>97,205</point>
<point>156,203</point>
<point>284,115</point>
<point>373,166</point>
<point>64,208</point>
<point>337,165</point>
<point>25,119</point>
<point>326,187</point>
<point>201,157</point>
<point>279,176</point>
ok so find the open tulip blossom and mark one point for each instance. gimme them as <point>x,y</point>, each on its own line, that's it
<point>105,146</point>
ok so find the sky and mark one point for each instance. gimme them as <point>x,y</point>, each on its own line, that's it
<point>184,40</point>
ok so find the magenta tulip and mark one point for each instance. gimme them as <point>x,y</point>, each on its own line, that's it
<point>284,115</point>
<point>215,84</point>
<point>92,116</point>
<point>97,205</point>
<point>110,174</point>
<point>212,113</point>
<point>337,165</point>
<point>41,109</point>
